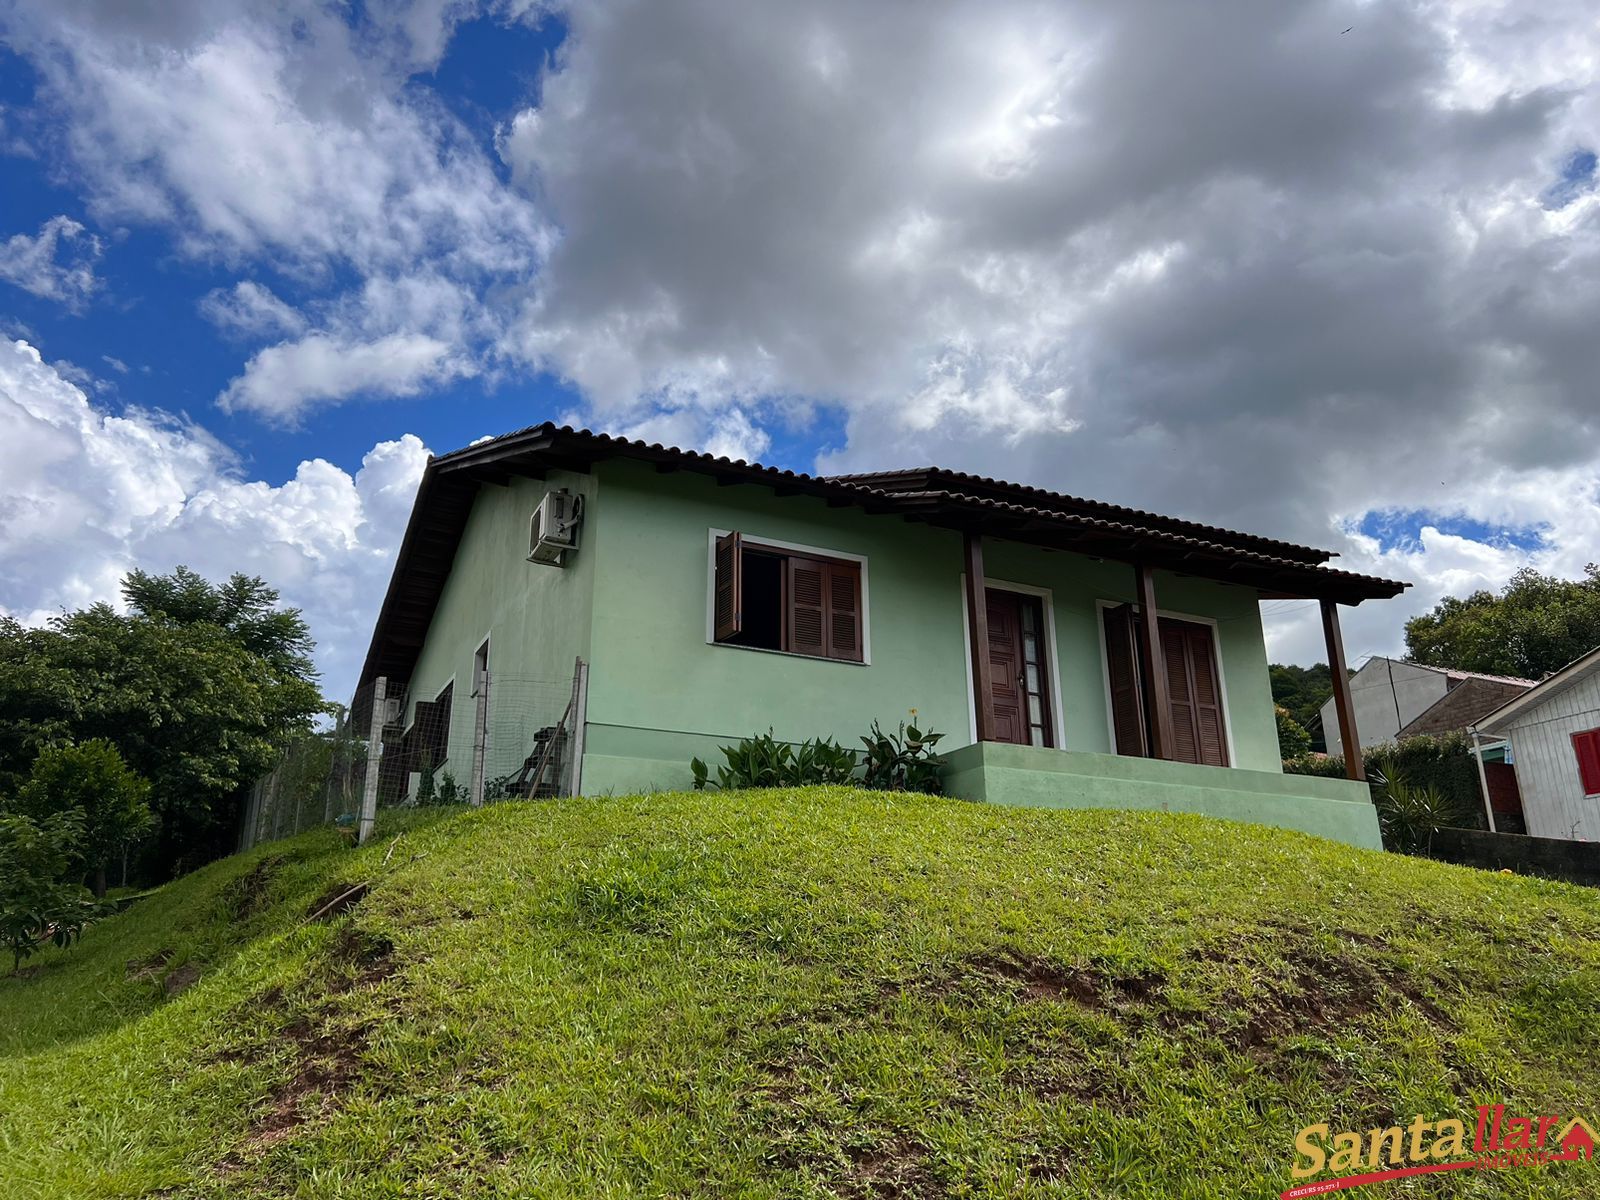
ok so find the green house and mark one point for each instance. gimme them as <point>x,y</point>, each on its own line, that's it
<point>1074,653</point>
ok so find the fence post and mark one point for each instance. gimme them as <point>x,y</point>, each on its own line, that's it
<point>580,715</point>
<point>369,790</point>
<point>480,740</point>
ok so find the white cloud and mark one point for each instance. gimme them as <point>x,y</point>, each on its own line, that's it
<point>90,495</point>
<point>290,137</point>
<point>281,381</point>
<point>248,309</point>
<point>31,262</point>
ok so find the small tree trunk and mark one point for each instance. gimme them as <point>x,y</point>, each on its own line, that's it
<point>100,882</point>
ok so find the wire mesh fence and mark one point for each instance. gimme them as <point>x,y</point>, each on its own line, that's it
<point>503,737</point>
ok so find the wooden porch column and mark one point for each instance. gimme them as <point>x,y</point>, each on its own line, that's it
<point>1354,768</point>
<point>978,628</point>
<point>1153,667</point>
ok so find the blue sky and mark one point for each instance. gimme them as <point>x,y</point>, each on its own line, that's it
<point>256,261</point>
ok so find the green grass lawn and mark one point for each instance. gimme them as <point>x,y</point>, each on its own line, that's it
<point>809,993</point>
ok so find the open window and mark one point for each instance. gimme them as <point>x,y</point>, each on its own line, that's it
<point>770,597</point>
<point>1194,688</point>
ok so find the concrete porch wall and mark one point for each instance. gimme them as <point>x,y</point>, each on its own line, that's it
<point>1024,775</point>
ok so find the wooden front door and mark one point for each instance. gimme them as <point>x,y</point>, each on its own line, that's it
<point>1017,668</point>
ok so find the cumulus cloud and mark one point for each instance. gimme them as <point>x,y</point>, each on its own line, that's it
<point>57,263</point>
<point>281,381</point>
<point>1224,261</point>
<point>291,136</point>
<point>90,495</point>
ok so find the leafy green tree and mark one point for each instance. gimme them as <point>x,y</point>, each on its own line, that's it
<point>1536,624</point>
<point>1293,740</point>
<point>110,800</point>
<point>37,904</point>
<point>198,687</point>
<point>1302,691</point>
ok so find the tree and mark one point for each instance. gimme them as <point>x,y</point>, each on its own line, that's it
<point>109,799</point>
<point>1302,691</point>
<point>36,903</point>
<point>198,688</point>
<point>1293,740</point>
<point>1535,625</point>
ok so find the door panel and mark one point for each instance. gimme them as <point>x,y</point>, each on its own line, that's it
<point>1005,667</point>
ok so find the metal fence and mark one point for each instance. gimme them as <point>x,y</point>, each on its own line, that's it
<point>507,737</point>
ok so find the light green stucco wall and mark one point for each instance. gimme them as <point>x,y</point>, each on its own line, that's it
<point>538,619</point>
<point>659,693</point>
<point>1331,808</point>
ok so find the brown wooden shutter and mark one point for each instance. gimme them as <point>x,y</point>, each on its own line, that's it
<point>844,610</point>
<point>805,622</point>
<point>1180,692</point>
<point>729,605</point>
<point>1195,693</point>
<point>1122,669</point>
<point>1210,734</point>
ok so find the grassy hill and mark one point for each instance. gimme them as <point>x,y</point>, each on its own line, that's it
<point>808,993</point>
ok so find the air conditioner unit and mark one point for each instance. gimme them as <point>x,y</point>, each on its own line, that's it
<point>554,528</point>
<point>394,708</point>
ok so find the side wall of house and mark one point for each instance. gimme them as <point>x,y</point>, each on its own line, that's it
<point>659,693</point>
<point>537,618</point>
<point>1553,802</point>
<point>1388,695</point>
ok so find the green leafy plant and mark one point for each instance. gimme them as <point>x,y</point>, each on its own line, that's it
<point>763,761</point>
<point>110,799</point>
<point>451,792</point>
<point>426,791</point>
<point>37,905</point>
<point>1409,814</point>
<point>903,761</point>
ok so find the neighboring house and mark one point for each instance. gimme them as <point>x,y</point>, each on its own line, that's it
<point>1554,733</point>
<point>1075,653</point>
<point>1396,699</point>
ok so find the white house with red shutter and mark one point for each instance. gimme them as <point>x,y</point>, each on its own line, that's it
<point>1554,733</point>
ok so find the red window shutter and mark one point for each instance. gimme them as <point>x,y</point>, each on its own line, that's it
<point>1122,671</point>
<point>844,610</point>
<point>729,603</point>
<point>1587,747</point>
<point>1180,692</point>
<point>806,621</point>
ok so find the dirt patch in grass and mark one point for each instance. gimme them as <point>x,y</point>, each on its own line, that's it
<point>180,979</point>
<point>337,900</point>
<point>328,1056</point>
<point>248,894</point>
<point>892,1168</point>
<point>147,969</point>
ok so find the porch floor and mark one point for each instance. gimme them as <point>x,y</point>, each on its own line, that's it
<point>1026,775</point>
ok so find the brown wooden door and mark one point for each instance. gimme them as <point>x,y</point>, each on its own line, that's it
<point>1005,667</point>
<point>1017,669</point>
<point>1195,693</point>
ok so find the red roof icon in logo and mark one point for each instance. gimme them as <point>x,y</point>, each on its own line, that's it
<point>1578,1139</point>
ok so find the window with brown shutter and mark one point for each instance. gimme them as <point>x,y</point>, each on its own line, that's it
<point>1194,691</point>
<point>1122,674</point>
<point>769,598</point>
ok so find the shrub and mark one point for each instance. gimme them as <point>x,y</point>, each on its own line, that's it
<point>763,761</point>
<point>903,761</point>
<point>1293,740</point>
<point>1409,813</point>
<point>451,792</point>
<point>109,798</point>
<point>36,904</point>
<point>1440,763</point>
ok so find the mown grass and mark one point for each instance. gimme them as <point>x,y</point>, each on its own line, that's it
<point>807,993</point>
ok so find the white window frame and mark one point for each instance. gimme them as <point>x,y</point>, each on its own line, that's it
<point>1052,665</point>
<point>759,542</point>
<point>1222,677</point>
